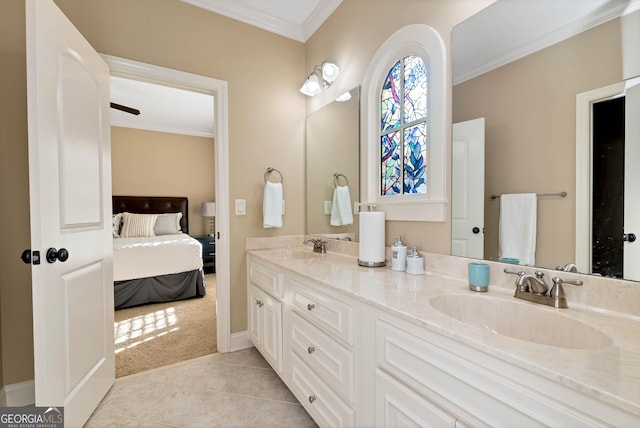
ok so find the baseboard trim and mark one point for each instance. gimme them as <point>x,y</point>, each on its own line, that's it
<point>239,341</point>
<point>18,394</point>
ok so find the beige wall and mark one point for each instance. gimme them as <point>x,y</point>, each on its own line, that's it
<point>150,163</point>
<point>350,38</point>
<point>15,277</point>
<point>266,111</point>
<point>266,115</point>
<point>530,111</point>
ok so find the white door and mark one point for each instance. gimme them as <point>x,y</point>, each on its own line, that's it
<point>467,195</point>
<point>631,250</point>
<point>70,197</point>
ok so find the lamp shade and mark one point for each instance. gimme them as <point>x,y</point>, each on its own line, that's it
<point>208,209</point>
<point>311,86</point>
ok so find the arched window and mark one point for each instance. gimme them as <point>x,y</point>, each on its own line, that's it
<point>403,126</point>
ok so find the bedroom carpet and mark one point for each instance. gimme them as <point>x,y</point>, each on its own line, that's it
<point>156,335</point>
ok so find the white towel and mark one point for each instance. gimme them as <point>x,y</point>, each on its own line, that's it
<point>272,205</point>
<point>341,214</point>
<point>518,214</point>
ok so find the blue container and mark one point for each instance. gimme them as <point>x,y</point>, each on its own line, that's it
<point>479,276</point>
<point>511,260</point>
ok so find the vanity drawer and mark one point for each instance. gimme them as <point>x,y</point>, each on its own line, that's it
<point>330,360</point>
<point>322,403</point>
<point>328,313</point>
<point>270,280</point>
<point>397,405</point>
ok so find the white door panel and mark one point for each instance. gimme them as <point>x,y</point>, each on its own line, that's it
<point>70,197</point>
<point>467,195</point>
<point>631,179</point>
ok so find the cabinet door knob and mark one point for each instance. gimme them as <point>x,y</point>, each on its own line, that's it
<point>311,306</point>
<point>259,303</point>
<point>311,349</point>
<point>312,398</point>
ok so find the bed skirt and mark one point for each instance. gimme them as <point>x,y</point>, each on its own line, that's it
<point>158,289</point>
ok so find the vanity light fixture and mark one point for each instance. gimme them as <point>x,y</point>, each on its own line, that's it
<point>344,97</point>
<point>329,72</point>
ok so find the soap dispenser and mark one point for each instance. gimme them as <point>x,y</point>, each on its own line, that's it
<point>398,255</point>
<point>415,263</point>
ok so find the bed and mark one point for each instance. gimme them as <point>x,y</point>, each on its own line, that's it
<point>154,258</point>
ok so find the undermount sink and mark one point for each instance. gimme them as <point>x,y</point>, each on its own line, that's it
<point>521,321</point>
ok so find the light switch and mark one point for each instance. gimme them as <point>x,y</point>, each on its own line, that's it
<point>241,207</point>
<point>327,207</point>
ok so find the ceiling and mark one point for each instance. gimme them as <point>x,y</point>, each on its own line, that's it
<point>295,19</point>
<point>480,43</point>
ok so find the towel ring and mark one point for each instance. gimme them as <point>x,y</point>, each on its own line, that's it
<point>336,176</point>
<point>268,172</point>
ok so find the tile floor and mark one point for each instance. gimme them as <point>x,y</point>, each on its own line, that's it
<point>237,389</point>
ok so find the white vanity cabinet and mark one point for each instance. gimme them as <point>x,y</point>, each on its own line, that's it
<point>451,384</point>
<point>352,361</point>
<point>319,331</point>
<point>265,294</point>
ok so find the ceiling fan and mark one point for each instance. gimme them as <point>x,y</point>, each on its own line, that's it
<point>126,109</point>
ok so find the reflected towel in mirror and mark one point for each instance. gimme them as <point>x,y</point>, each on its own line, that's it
<point>518,222</point>
<point>272,205</point>
<point>341,214</point>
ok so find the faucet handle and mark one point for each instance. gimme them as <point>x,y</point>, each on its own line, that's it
<point>514,272</point>
<point>557,291</point>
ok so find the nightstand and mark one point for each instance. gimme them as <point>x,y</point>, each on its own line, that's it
<point>208,253</point>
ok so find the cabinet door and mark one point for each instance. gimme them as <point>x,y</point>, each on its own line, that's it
<point>272,331</point>
<point>255,323</point>
<point>397,405</point>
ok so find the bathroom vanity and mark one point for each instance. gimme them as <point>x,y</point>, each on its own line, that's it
<point>374,347</point>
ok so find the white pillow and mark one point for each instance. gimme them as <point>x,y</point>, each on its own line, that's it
<point>116,222</point>
<point>168,224</point>
<point>138,225</point>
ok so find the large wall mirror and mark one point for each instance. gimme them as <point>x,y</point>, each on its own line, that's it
<point>521,65</point>
<point>333,151</point>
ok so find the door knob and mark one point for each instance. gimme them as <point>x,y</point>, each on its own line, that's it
<point>629,237</point>
<point>52,255</point>
<point>476,230</point>
<point>30,257</point>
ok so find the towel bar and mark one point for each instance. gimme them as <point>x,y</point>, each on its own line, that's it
<point>561,194</point>
<point>336,176</point>
<point>268,172</point>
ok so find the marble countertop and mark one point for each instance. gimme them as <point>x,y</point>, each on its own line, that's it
<point>610,374</point>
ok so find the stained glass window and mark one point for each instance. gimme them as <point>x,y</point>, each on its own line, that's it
<point>404,128</point>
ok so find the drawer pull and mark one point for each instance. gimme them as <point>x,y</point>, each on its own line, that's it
<point>311,349</point>
<point>259,303</point>
<point>312,398</point>
<point>311,306</point>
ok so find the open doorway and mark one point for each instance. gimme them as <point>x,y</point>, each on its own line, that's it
<point>162,321</point>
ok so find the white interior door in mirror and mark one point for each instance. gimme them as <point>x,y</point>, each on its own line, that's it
<point>632,177</point>
<point>467,182</point>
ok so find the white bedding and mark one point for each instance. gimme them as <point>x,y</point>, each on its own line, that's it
<point>158,255</point>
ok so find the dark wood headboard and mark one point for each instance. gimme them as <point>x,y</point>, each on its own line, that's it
<point>154,205</point>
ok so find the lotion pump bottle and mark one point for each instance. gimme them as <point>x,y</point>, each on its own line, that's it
<point>399,255</point>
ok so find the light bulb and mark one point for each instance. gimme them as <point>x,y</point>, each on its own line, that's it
<point>330,71</point>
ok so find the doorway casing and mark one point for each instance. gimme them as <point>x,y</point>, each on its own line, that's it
<point>130,69</point>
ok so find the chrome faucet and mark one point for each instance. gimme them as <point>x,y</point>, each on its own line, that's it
<point>569,267</point>
<point>533,288</point>
<point>319,245</point>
